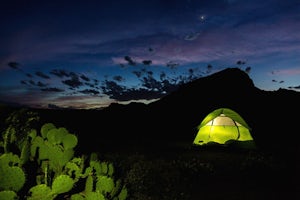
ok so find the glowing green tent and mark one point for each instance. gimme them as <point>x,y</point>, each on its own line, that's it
<point>224,126</point>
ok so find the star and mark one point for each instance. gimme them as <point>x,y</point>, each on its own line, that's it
<point>202,17</point>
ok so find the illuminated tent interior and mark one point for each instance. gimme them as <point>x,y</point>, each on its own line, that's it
<point>224,126</point>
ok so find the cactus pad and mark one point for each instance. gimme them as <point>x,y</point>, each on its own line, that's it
<point>40,192</point>
<point>89,184</point>
<point>8,195</point>
<point>9,159</point>
<point>45,128</point>
<point>62,184</point>
<point>105,184</point>
<point>77,197</point>
<point>123,194</point>
<point>12,178</point>
<point>69,141</point>
<point>94,195</point>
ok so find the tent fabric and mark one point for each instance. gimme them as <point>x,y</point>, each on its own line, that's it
<point>221,126</point>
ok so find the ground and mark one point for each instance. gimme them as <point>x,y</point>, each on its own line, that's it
<point>190,173</point>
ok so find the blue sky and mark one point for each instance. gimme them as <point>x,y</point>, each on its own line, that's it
<point>87,54</point>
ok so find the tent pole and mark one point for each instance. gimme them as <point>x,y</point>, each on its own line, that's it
<point>212,123</point>
<point>239,134</point>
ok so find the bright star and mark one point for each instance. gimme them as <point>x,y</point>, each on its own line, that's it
<point>202,17</point>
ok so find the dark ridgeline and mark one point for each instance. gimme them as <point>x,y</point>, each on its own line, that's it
<point>272,115</point>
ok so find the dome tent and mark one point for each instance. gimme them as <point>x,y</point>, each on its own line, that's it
<point>224,126</point>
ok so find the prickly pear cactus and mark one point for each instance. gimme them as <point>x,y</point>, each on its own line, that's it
<point>51,152</point>
<point>12,177</point>
<point>54,146</point>
<point>100,183</point>
<point>46,128</point>
<point>105,184</point>
<point>89,184</point>
<point>40,192</point>
<point>8,195</point>
<point>62,184</point>
<point>69,141</point>
<point>88,196</point>
<point>74,168</point>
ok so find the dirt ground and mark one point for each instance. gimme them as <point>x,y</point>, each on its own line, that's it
<point>206,173</point>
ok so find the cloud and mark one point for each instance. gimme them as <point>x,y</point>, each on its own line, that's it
<point>53,106</point>
<point>129,60</point>
<point>82,101</point>
<point>32,82</point>
<point>172,64</point>
<point>29,75</point>
<point>248,70</point>
<point>74,79</point>
<point>14,65</point>
<point>24,82</point>
<point>60,73</point>
<point>40,84</point>
<point>230,31</point>
<point>137,73</point>
<point>118,78</point>
<point>42,75</point>
<point>192,36</point>
<point>147,62</point>
<point>74,82</point>
<point>52,89</point>
<point>294,87</point>
<point>89,91</point>
<point>85,78</point>
<point>150,87</point>
<point>94,45</point>
<point>291,71</point>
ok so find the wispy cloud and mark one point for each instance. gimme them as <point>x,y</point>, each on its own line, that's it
<point>291,71</point>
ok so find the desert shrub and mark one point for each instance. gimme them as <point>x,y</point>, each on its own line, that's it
<point>17,125</point>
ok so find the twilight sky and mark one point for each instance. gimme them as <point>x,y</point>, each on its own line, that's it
<point>89,53</point>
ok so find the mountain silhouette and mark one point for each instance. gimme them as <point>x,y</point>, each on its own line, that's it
<point>271,115</point>
<point>187,106</point>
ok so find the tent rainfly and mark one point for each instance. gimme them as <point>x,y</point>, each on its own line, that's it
<point>224,126</point>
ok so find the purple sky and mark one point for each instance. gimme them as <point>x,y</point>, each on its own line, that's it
<point>87,54</point>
